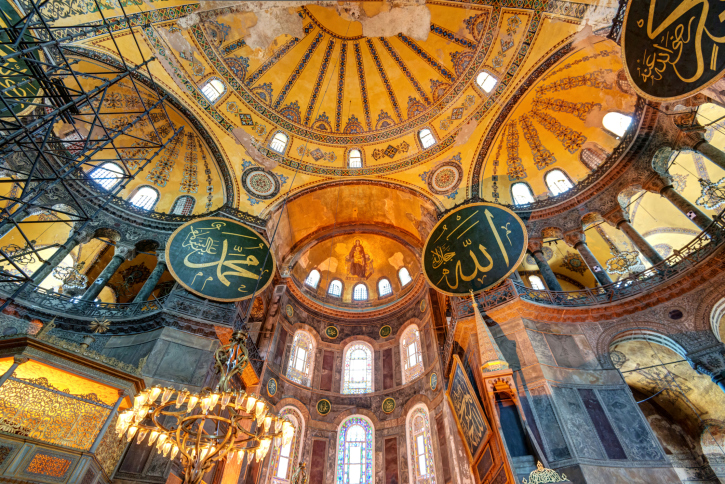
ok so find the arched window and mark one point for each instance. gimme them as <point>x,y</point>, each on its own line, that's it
<point>521,193</point>
<point>145,198</point>
<point>360,292</point>
<point>335,288</point>
<point>354,159</point>
<point>616,123</point>
<point>313,278</point>
<point>384,288</point>
<point>486,81</point>
<point>355,451</point>
<point>411,353</point>
<point>301,358</point>
<point>558,182</point>
<point>183,205</point>
<point>107,175</point>
<point>404,276</point>
<point>426,138</point>
<point>213,89</point>
<point>420,463</point>
<point>285,458</point>
<point>358,369</point>
<point>279,142</point>
<point>537,283</point>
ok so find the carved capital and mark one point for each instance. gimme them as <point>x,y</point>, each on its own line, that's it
<point>124,251</point>
<point>535,245</point>
<point>688,140</point>
<point>83,236</point>
<point>616,217</point>
<point>20,359</point>
<point>161,257</point>
<point>657,182</point>
<point>574,238</point>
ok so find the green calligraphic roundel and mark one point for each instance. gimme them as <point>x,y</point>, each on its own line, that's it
<point>219,259</point>
<point>324,407</point>
<point>474,248</point>
<point>385,331</point>
<point>671,49</point>
<point>332,332</point>
<point>388,405</point>
<point>272,387</point>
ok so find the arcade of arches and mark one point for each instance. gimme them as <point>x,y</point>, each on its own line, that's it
<point>344,131</point>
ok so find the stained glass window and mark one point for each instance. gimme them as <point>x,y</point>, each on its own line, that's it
<point>301,357</point>
<point>313,278</point>
<point>285,458</point>
<point>279,142</point>
<point>558,182</point>
<point>360,292</point>
<point>358,376</point>
<point>384,288</point>
<point>404,276</point>
<point>355,159</point>
<point>183,205</point>
<point>536,283</point>
<point>107,175</point>
<point>419,443</point>
<point>355,451</point>
<point>213,89</point>
<point>145,198</point>
<point>521,193</point>
<point>410,350</point>
<point>335,288</point>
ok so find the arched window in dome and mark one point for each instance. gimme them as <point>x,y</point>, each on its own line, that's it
<point>145,197</point>
<point>354,159</point>
<point>107,175</point>
<point>213,89</point>
<point>420,464</point>
<point>616,123</point>
<point>183,205</point>
<point>404,276</point>
<point>360,292</point>
<point>301,358</point>
<point>411,353</point>
<point>357,369</point>
<point>355,447</point>
<point>335,288</point>
<point>593,156</point>
<point>279,142</point>
<point>285,458</point>
<point>537,283</point>
<point>486,81</point>
<point>384,288</point>
<point>521,193</point>
<point>313,278</point>
<point>558,182</point>
<point>426,138</point>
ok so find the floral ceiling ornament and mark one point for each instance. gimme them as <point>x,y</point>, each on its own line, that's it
<point>623,262</point>
<point>100,326</point>
<point>573,263</point>
<point>713,194</point>
<point>543,475</point>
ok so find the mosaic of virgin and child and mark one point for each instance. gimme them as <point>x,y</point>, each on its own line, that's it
<point>359,264</point>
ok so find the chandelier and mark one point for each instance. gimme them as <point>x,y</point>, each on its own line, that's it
<point>71,277</point>
<point>210,425</point>
<point>713,194</point>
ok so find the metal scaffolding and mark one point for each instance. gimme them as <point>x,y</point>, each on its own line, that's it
<point>59,121</point>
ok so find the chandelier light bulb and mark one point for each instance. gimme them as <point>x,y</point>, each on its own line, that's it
<point>240,456</point>
<point>182,397</point>
<point>166,396</point>
<point>141,435</point>
<point>162,438</point>
<point>239,401</point>
<point>174,451</point>
<point>278,424</point>
<point>261,411</point>
<point>166,448</point>
<point>203,453</point>
<point>140,414</point>
<point>250,403</point>
<point>225,399</point>
<point>154,394</point>
<point>139,400</point>
<point>192,403</point>
<point>267,423</point>
<point>205,403</point>
<point>214,399</point>
<point>131,432</point>
<point>152,438</point>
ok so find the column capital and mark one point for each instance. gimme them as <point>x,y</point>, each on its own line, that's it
<point>535,245</point>
<point>125,251</point>
<point>616,217</point>
<point>575,238</point>
<point>83,236</point>
<point>20,359</point>
<point>161,257</point>
<point>688,140</point>
<point>657,182</point>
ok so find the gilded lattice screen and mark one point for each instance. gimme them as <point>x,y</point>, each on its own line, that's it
<point>111,448</point>
<point>36,409</point>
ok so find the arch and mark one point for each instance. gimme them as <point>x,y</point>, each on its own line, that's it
<point>616,123</point>
<point>213,89</point>
<point>107,175</point>
<point>651,337</point>
<point>421,463</point>
<point>521,193</point>
<point>301,358</point>
<point>384,288</point>
<point>279,142</point>
<point>426,138</point>
<point>357,374</point>
<point>404,276</point>
<point>411,354</point>
<point>486,81</point>
<point>558,182</point>
<point>716,315</point>
<point>145,197</point>
<point>183,205</point>
<point>335,288</point>
<point>313,278</point>
<point>285,458</point>
<point>536,283</point>
<point>355,450</point>
<point>354,158</point>
<point>609,336</point>
<point>360,292</point>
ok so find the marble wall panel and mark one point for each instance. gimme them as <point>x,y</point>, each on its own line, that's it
<point>541,348</point>
<point>554,443</point>
<point>582,435</point>
<point>602,426</point>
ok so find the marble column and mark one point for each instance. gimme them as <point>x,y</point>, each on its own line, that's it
<point>74,239</point>
<point>121,254</point>
<point>107,423</point>
<point>662,184</point>
<point>535,247</point>
<point>150,284</point>
<point>577,240</point>
<point>710,152</point>
<point>620,221</point>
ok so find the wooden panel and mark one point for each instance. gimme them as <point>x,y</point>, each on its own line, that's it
<point>391,461</point>
<point>318,461</point>
<point>328,363</point>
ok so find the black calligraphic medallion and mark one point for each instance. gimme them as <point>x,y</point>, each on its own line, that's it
<point>323,407</point>
<point>466,410</point>
<point>473,248</point>
<point>332,332</point>
<point>219,259</point>
<point>272,387</point>
<point>385,331</point>
<point>388,405</point>
<point>672,48</point>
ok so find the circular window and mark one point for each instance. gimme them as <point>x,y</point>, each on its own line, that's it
<point>675,314</point>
